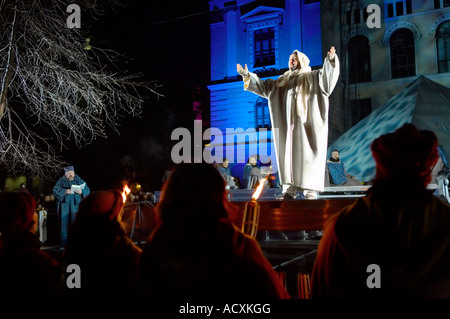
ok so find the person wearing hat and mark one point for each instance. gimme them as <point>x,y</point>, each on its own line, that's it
<point>69,190</point>
<point>298,106</point>
<point>393,243</point>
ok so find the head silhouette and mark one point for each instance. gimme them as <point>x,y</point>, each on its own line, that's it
<point>194,194</point>
<point>407,154</point>
<point>16,212</point>
<point>101,204</point>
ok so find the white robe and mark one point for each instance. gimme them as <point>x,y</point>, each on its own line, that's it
<point>300,143</point>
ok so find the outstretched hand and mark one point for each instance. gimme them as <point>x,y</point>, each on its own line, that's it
<point>331,53</point>
<point>241,70</point>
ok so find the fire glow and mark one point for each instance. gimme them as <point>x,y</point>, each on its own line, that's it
<point>251,212</point>
<point>125,192</point>
<point>259,189</point>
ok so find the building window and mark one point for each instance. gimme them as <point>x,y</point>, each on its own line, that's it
<point>441,4</point>
<point>359,60</point>
<point>390,10</point>
<point>357,15</point>
<point>360,109</point>
<point>365,14</point>
<point>264,46</point>
<point>262,116</point>
<point>402,53</point>
<point>408,6</point>
<point>443,46</point>
<point>398,8</point>
<point>354,17</point>
<point>348,17</point>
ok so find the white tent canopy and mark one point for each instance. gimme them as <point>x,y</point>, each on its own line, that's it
<point>424,103</point>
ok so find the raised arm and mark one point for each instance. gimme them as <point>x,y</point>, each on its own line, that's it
<point>243,72</point>
<point>329,74</point>
<point>253,83</point>
<point>331,54</point>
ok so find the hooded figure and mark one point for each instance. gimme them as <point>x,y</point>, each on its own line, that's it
<point>298,106</point>
<point>395,241</point>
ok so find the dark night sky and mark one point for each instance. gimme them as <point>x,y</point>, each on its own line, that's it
<point>165,42</point>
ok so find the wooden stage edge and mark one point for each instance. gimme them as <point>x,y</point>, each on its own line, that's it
<point>297,215</point>
<point>294,215</point>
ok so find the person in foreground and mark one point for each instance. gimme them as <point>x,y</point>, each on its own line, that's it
<point>26,271</point>
<point>394,243</point>
<point>98,243</point>
<point>196,252</point>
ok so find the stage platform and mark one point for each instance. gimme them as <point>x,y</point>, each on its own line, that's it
<point>296,215</point>
<point>275,217</point>
<point>270,194</point>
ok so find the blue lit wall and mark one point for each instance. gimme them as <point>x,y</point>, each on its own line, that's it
<point>231,106</point>
<point>311,34</point>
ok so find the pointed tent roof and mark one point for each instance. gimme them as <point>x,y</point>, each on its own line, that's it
<point>423,103</point>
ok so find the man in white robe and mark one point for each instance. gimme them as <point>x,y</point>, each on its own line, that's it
<point>298,106</point>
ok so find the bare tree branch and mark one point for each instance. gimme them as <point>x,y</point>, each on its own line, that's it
<point>51,81</point>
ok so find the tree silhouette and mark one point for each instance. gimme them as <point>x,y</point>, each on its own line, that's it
<point>57,88</point>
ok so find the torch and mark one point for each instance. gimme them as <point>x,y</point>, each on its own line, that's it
<point>125,192</point>
<point>251,212</point>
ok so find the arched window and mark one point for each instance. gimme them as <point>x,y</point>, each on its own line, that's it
<point>443,46</point>
<point>403,57</point>
<point>262,115</point>
<point>359,59</point>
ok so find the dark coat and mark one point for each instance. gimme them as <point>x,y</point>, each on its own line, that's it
<point>66,202</point>
<point>26,271</point>
<point>220,263</point>
<point>405,231</point>
<point>107,258</point>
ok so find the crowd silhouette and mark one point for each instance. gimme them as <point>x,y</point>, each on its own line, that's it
<point>197,252</point>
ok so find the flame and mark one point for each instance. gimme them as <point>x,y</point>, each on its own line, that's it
<point>126,191</point>
<point>259,189</point>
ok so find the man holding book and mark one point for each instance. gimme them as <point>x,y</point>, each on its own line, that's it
<point>69,191</point>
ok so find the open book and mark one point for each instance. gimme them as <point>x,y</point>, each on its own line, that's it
<point>76,187</point>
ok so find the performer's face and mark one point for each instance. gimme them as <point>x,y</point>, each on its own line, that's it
<point>293,62</point>
<point>335,155</point>
<point>225,164</point>
<point>70,175</point>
